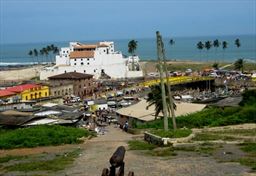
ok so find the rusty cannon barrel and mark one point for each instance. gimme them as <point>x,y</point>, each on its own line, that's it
<point>117,159</point>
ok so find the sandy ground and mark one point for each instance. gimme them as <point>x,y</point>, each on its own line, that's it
<point>20,74</point>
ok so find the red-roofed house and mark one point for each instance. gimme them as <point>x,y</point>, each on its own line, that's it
<point>29,91</point>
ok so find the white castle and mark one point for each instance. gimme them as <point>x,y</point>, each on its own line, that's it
<point>96,59</point>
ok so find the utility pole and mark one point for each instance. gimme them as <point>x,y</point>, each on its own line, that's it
<point>169,88</point>
<point>160,67</point>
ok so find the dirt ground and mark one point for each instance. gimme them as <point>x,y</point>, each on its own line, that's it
<point>97,151</point>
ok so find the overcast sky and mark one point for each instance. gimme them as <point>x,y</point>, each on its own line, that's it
<point>24,21</point>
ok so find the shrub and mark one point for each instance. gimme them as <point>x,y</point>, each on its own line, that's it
<point>41,136</point>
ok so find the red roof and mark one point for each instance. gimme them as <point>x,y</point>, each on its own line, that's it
<point>5,93</point>
<point>21,88</point>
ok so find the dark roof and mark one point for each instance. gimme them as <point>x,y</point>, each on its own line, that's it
<point>14,118</point>
<point>71,75</point>
<point>229,101</point>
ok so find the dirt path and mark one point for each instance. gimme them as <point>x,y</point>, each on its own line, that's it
<point>98,151</point>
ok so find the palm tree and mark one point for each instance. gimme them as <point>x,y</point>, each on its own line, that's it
<point>224,46</point>
<point>36,54</point>
<point>45,50</point>
<point>155,98</point>
<point>30,53</point>
<point>171,42</point>
<point>208,45</point>
<point>132,46</point>
<point>239,65</point>
<point>41,52</point>
<point>215,66</point>
<point>237,43</point>
<point>216,45</point>
<point>200,46</point>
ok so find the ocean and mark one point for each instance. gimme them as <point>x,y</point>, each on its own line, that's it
<point>183,49</point>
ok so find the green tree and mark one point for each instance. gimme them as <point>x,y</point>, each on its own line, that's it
<point>215,66</point>
<point>132,46</point>
<point>36,54</point>
<point>30,53</point>
<point>216,45</point>
<point>171,42</point>
<point>41,51</point>
<point>239,65</point>
<point>200,46</point>
<point>237,43</point>
<point>155,98</point>
<point>224,47</point>
<point>46,53</point>
<point>208,45</point>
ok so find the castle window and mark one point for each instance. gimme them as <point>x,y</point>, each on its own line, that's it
<point>75,59</point>
<point>88,63</point>
<point>82,63</point>
<point>74,63</point>
<point>84,71</point>
<point>88,59</point>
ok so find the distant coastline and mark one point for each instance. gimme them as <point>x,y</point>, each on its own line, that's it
<point>183,49</point>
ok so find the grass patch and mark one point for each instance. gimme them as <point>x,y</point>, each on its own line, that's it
<point>58,163</point>
<point>205,148</point>
<point>140,145</point>
<point>250,159</point>
<point>171,133</point>
<point>41,136</point>
<point>162,152</point>
<point>212,137</point>
<point>242,132</point>
<point>10,157</point>
<point>249,148</point>
<point>250,162</point>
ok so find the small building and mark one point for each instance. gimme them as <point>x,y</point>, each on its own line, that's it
<point>7,96</point>
<point>83,84</point>
<point>26,92</point>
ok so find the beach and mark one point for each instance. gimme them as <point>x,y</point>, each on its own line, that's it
<point>20,74</point>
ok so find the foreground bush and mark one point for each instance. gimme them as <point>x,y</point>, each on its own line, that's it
<point>41,136</point>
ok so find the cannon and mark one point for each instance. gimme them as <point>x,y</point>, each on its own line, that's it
<point>116,161</point>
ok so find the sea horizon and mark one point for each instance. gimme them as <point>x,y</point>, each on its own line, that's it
<point>183,49</point>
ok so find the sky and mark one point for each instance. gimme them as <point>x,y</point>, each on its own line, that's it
<point>32,21</point>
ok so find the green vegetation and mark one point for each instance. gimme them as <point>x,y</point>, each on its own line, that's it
<point>204,148</point>
<point>250,158</point>
<point>208,136</point>
<point>213,116</point>
<point>171,133</point>
<point>10,157</point>
<point>242,132</point>
<point>59,162</point>
<point>140,145</point>
<point>249,148</point>
<point>41,136</point>
<point>163,152</point>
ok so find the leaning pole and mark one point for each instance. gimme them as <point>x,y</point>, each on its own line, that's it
<point>160,67</point>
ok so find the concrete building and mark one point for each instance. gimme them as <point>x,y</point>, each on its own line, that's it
<point>95,59</point>
<point>83,84</point>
